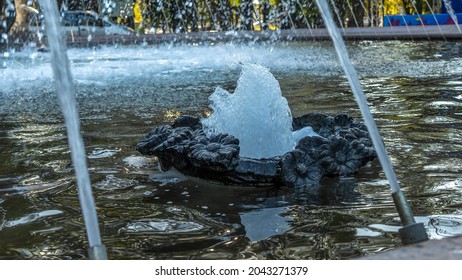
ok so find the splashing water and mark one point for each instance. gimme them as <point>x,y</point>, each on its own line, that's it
<point>256,113</point>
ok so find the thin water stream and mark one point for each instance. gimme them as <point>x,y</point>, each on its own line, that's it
<point>357,90</point>
<point>66,94</point>
<point>417,232</point>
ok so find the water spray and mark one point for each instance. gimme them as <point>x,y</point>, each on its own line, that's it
<point>411,232</point>
<point>66,94</point>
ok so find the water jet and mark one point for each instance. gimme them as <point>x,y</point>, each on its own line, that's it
<point>66,94</point>
<point>411,232</point>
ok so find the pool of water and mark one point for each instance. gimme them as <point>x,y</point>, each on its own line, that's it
<point>414,90</point>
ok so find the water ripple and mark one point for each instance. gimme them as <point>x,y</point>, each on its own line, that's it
<point>115,183</point>
<point>437,226</point>
<point>161,226</point>
<point>30,218</point>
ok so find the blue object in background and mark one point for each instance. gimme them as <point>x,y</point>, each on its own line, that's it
<point>427,19</point>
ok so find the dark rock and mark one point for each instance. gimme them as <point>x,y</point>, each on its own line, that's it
<point>317,121</point>
<point>344,146</point>
<point>257,172</point>
<point>342,120</point>
<point>219,152</point>
<point>177,141</point>
<point>188,121</point>
<point>313,145</point>
<point>259,167</point>
<point>300,169</point>
<point>154,138</point>
<point>341,158</point>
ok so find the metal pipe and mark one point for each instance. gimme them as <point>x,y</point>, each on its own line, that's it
<point>97,252</point>
<point>411,232</point>
<point>402,206</point>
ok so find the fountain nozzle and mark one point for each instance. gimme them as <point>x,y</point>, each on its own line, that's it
<point>411,232</point>
<point>97,252</point>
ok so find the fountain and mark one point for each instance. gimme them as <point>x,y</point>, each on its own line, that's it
<point>251,138</point>
<point>335,199</point>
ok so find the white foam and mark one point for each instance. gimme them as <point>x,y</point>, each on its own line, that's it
<point>256,113</point>
<point>30,69</point>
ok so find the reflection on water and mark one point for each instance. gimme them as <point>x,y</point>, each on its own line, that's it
<point>30,218</point>
<point>438,226</point>
<point>414,93</point>
<point>258,228</point>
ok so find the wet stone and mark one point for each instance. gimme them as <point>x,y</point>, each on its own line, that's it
<point>187,121</point>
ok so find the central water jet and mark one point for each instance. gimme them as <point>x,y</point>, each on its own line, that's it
<point>256,113</point>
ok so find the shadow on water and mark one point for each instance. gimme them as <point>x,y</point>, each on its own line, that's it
<point>413,90</point>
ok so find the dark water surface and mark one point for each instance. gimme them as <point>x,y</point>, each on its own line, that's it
<point>414,90</point>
